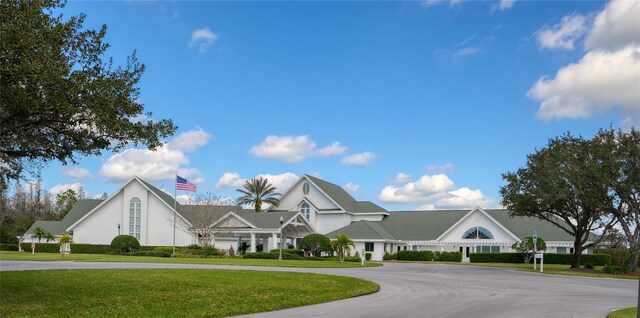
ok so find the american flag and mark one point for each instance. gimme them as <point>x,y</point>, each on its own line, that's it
<point>184,184</point>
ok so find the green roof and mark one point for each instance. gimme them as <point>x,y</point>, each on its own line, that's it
<point>78,210</point>
<point>344,199</point>
<point>429,225</point>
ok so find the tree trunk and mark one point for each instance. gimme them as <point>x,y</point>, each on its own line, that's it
<point>577,251</point>
<point>633,262</point>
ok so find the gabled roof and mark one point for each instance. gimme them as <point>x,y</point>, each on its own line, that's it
<point>429,225</point>
<point>266,220</point>
<point>344,199</point>
<point>78,210</point>
<point>361,230</point>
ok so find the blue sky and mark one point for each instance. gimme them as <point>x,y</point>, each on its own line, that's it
<point>412,104</point>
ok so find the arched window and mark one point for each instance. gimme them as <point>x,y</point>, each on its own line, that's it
<point>135,209</point>
<point>305,210</point>
<point>477,233</point>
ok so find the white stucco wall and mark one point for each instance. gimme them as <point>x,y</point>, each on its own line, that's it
<point>102,226</point>
<point>292,198</point>
<point>378,250</point>
<point>374,218</point>
<point>326,223</point>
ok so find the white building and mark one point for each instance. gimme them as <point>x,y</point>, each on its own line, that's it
<point>310,205</point>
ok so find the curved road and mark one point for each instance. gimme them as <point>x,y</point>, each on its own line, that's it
<point>429,290</point>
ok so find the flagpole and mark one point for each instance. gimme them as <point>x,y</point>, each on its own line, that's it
<point>175,202</point>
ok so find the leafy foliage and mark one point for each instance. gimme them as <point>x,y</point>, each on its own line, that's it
<point>58,96</point>
<point>124,244</point>
<point>265,255</point>
<point>342,244</point>
<point>315,244</point>
<point>40,233</point>
<point>258,191</point>
<point>563,183</point>
<point>526,247</point>
<point>63,240</point>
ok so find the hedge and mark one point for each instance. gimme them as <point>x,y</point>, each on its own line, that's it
<point>496,258</point>
<point>549,258</point>
<point>89,249</point>
<point>9,247</point>
<point>426,256</point>
<point>265,255</point>
<point>156,253</point>
<point>289,251</point>
<point>42,247</point>
<point>619,256</point>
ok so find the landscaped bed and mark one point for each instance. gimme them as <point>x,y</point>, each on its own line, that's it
<point>631,312</point>
<point>167,292</point>
<point>26,256</point>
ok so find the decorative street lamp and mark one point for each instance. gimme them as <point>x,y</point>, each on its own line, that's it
<point>281,221</point>
<point>118,228</point>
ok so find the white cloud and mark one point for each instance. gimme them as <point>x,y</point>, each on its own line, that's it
<point>428,3</point>
<point>202,39</point>
<point>465,51</point>
<point>472,45</point>
<point>158,165</point>
<point>230,180</point>
<point>351,187</point>
<point>465,198</point>
<point>598,82</point>
<point>503,5</point>
<point>281,181</point>
<point>62,187</point>
<point>294,148</point>
<point>435,192</point>
<point>76,173</point>
<point>448,167</point>
<point>401,178</point>
<point>564,34</point>
<point>189,141</point>
<point>359,159</point>
<point>420,190</point>
<point>332,150</point>
<point>606,78</point>
<point>616,26</point>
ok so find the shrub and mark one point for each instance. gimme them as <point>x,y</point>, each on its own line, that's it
<point>194,247</point>
<point>9,247</point>
<point>265,255</point>
<point>288,250</point>
<point>156,253</point>
<point>43,247</point>
<point>619,256</point>
<point>389,256</point>
<point>316,244</point>
<point>90,249</point>
<point>496,258</point>
<point>367,256</point>
<point>589,266</point>
<point>450,257</point>
<point>595,259</point>
<point>616,269</point>
<point>354,259</point>
<point>124,244</point>
<point>415,255</point>
<point>166,249</point>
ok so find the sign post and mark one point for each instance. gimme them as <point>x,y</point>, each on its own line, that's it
<point>541,257</point>
<point>535,249</point>
<point>33,247</point>
<point>362,256</point>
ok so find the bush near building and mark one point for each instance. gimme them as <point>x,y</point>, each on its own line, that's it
<point>124,244</point>
<point>549,258</point>
<point>426,256</point>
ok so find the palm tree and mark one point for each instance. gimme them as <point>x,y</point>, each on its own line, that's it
<point>63,240</point>
<point>342,244</point>
<point>40,233</point>
<point>258,191</point>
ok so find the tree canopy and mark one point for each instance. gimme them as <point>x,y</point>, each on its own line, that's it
<point>564,184</point>
<point>59,96</point>
<point>258,191</point>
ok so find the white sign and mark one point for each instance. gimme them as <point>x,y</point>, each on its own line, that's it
<point>538,255</point>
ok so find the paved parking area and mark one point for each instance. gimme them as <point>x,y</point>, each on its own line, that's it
<point>427,290</point>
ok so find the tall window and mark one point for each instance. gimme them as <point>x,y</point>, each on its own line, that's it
<point>477,233</point>
<point>305,210</point>
<point>135,217</point>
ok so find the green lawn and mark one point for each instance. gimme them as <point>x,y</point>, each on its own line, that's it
<point>25,256</point>
<point>630,312</point>
<point>167,292</point>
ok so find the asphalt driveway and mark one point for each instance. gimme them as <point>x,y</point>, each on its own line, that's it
<point>426,290</point>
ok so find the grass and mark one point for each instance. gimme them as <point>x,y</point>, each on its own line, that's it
<point>25,256</point>
<point>630,312</point>
<point>167,292</point>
